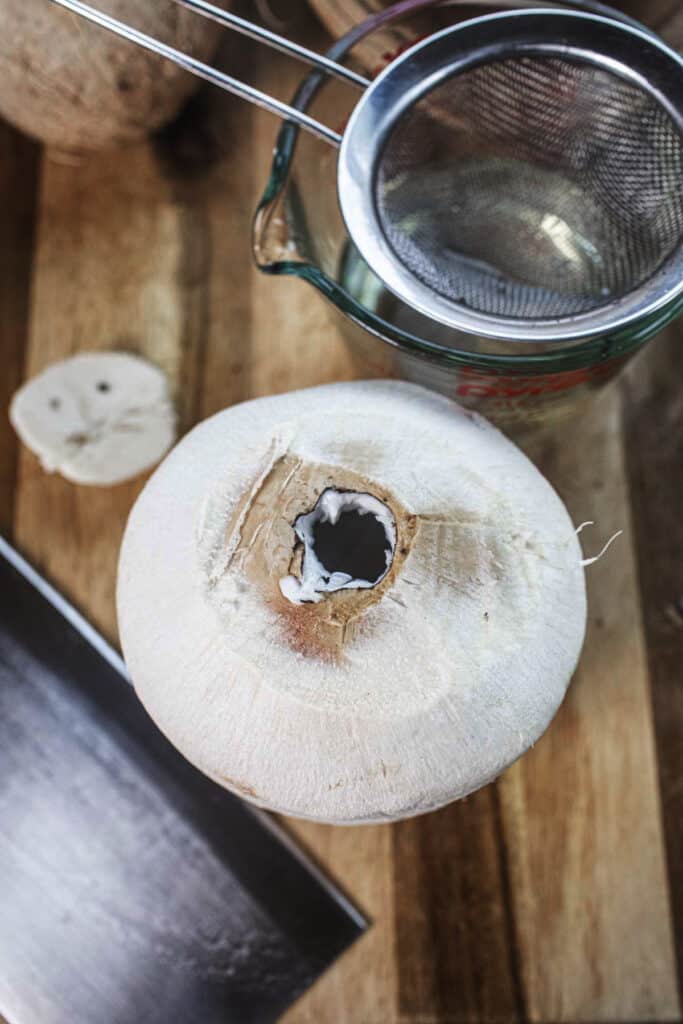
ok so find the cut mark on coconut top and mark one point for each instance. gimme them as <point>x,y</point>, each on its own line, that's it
<point>349,541</point>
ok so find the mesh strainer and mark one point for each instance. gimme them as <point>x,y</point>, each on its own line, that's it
<point>521,175</point>
<point>518,175</point>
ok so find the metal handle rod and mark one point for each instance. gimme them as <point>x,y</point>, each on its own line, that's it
<point>274,41</point>
<point>201,70</point>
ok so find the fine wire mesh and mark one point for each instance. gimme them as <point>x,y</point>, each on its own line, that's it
<point>532,187</point>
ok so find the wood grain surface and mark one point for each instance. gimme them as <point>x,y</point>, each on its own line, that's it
<point>554,895</point>
<point>19,164</point>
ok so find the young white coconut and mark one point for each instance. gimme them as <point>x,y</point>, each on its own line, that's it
<point>353,603</point>
<point>97,418</point>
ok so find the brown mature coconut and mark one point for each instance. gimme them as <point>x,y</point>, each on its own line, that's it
<point>76,86</point>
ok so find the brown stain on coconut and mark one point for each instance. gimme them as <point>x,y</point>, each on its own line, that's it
<point>266,549</point>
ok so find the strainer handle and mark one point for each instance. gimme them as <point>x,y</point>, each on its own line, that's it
<point>220,78</point>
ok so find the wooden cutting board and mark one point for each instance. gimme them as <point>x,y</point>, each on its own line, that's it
<point>555,894</point>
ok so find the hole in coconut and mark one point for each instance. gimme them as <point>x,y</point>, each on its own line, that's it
<point>349,539</point>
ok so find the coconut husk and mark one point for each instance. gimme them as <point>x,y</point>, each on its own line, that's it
<point>76,86</point>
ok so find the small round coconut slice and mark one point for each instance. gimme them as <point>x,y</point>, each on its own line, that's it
<point>97,418</point>
<point>353,603</point>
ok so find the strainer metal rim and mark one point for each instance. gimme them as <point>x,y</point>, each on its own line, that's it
<point>450,52</point>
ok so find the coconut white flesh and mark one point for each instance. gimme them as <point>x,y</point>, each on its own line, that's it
<point>97,418</point>
<point>366,704</point>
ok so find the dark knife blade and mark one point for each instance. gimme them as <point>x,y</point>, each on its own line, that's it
<point>132,888</point>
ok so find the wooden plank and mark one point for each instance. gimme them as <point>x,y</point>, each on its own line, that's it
<point>653,414</point>
<point>453,916</point>
<point>19,164</point>
<point>581,810</point>
<point>361,988</point>
<point>106,276</point>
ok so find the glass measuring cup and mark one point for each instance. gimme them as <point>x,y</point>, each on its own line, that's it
<point>299,231</point>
